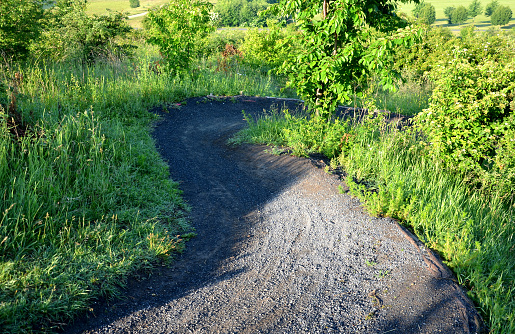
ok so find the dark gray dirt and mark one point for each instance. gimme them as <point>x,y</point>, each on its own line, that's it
<point>279,248</point>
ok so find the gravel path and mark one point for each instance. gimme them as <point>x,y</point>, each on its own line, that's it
<point>279,249</point>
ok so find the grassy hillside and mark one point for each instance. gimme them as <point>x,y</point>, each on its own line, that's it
<point>482,22</point>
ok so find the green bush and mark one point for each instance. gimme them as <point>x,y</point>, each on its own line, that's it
<point>470,122</point>
<point>71,34</point>
<point>427,53</point>
<point>178,29</point>
<point>448,13</point>
<point>267,48</point>
<point>134,3</point>
<point>501,16</point>
<point>428,14</point>
<point>459,15</point>
<point>425,12</point>
<point>20,24</point>
<point>215,42</point>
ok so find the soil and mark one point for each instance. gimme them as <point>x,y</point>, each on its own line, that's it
<point>279,248</point>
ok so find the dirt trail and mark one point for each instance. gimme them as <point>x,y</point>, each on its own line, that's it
<point>279,249</point>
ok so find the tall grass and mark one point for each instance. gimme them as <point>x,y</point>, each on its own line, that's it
<point>390,171</point>
<point>85,197</point>
<point>472,231</point>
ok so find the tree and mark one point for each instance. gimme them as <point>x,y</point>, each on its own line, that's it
<point>501,16</point>
<point>459,15</point>
<point>134,3</point>
<point>20,24</point>
<point>418,8</point>
<point>491,7</point>
<point>448,13</point>
<point>425,12</point>
<point>475,9</point>
<point>428,14</point>
<point>342,43</point>
<point>176,29</point>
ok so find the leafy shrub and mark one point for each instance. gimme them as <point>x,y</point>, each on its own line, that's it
<point>338,50</point>
<point>177,29</point>
<point>267,48</point>
<point>20,24</point>
<point>134,3</point>
<point>501,16</point>
<point>425,12</point>
<point>426,53</point>
<point>448,13</point>
<point>491,7</point>
<point>418,8</point>
<point>470,122</point>
<point>459,15</point>
<point>428,14</point>
<point>72,34</point>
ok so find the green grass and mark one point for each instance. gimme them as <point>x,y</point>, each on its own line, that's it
<point>481,22</point>
<point>86,199</point>
<point>103,6</point>
<point>100,7</point>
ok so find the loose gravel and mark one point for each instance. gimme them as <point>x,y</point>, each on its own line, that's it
<point>279,248</point>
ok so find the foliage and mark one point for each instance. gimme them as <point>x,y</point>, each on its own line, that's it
<point>459,15</point>
<point>426,53</point>
<point>268,48</point>
<point>428,14</point>
<point>418,8</point>
<point>491,7</point>
<point>235,13</point>
<point>448,13</point>
<point>134,3</point>
<point>177,29</point>
<point>338,48</point>
<point>316,134</point>
<point>20,24</point>
<point>501,16</point>
<point>425,12</point>
<point>71,34</point>
<point>475,8</point>
<point>471,117</point>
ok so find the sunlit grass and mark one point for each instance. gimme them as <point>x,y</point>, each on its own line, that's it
<point>100,7</point>
<point>482,22</point>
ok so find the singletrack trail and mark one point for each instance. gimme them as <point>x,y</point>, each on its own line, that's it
<point>279,248</point>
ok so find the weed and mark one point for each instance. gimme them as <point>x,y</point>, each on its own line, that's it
<point>370,263</point>
<point>381,274</point>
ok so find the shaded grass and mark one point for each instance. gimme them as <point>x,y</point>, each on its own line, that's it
<point>86,198</point>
